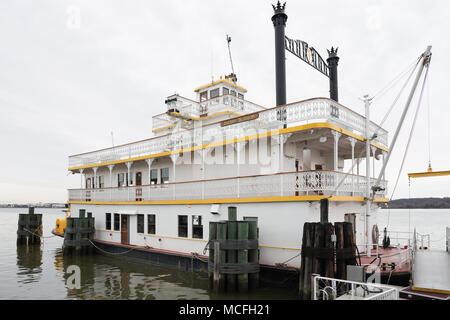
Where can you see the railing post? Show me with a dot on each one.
(313, 286)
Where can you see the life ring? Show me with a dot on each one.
(375, 235)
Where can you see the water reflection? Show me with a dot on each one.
(29, 262)
(112, 278)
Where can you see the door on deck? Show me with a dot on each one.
(124, 229)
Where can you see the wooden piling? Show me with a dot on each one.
(222, 236)
(231, 254)
(29, 228)
(212, 238)
(253, 255)
(242, 231)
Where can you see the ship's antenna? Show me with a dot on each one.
(233, 75)
(112, 139)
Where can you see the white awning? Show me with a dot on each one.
(128, 212)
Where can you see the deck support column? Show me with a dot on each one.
(94, 183)
(174, 158)
(374, 149)
(239, 146)
(336, 135)
(110, 167)
(353, 143)
(82, 178)
(149, 164)
(129, 164)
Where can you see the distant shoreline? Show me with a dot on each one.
(419, 203)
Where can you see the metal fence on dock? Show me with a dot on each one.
(336, 289)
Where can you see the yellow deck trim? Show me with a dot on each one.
(241, 139)
(430, 290)
(233, 200)
(220, 81)
(429, 174)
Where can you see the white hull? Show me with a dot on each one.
(280, 225)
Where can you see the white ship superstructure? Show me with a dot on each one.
(220, 150)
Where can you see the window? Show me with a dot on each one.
(164, 175)
(225, 91)
(183, 226)
(204, 96)
(233, 93)
(154, 176)
(140, 223)
(116, 222)
(101, 182)
(108, 221)
(151, 224)
(241, 96)
(214, 93)
(197, 227)
(121, 179)
(88, 183)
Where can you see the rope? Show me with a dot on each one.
(113, 253)
(36, 234)
(390, 85)
(196, 256)
(412, 129)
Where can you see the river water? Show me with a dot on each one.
(40, 272)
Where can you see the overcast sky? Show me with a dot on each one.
(72, 72)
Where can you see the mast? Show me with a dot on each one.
(368, 139)
(425, 60)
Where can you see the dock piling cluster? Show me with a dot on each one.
(29, 228)
(233, 254)
(79, 234)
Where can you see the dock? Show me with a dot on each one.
(430, 274)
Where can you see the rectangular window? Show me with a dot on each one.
(203, 96)
(121, 179)
(116, 222)
(140, 223)
(233, 93)
(214, 93)
(151, 224)
(108, 221)
(164, 175)
(240, 96)
(101, 182)
(225, 91)
(183, 226)
(197, 227)
(154, 176)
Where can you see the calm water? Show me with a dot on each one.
(39, 272)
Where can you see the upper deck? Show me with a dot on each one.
(242, 117)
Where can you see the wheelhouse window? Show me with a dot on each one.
(240, 96)
(233, 93)
(183, 226)
(197, 227)
(151, 224)
(116, 222)
(164, 175)
(108, 221)
(214, 93)
(203, 96)
(225, 91)
(140, 223)
(154, 176)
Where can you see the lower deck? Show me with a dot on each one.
(184, 228)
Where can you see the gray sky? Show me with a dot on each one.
(66, 83)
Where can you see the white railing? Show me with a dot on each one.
(318, 109)
(283, 184)
(336, 289)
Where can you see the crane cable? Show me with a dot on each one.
(412, 128)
